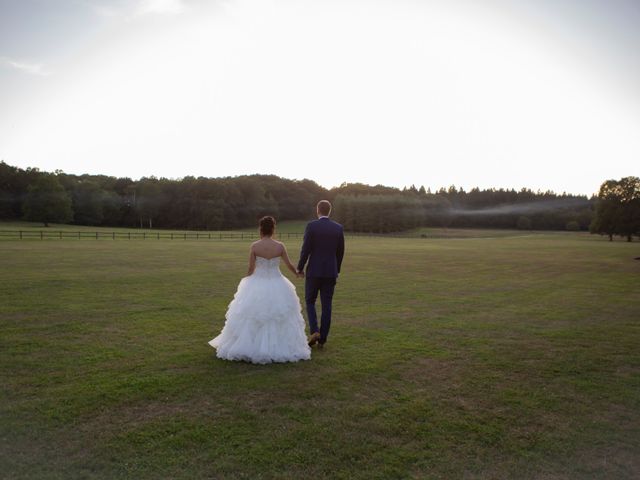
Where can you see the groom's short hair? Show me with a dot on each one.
(324, 207)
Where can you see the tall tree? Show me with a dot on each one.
(629, 220)
(88, 203)
(47, 201)
(148, 200)
(618, 208)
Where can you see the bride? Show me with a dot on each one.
(264, 321)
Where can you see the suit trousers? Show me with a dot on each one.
(325, 286)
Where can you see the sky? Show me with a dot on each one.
(540, 94)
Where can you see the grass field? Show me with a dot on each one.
(512, 357)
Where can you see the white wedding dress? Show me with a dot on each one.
(264, 320)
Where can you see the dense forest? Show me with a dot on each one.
(231, 202)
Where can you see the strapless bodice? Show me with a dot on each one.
(267, 267)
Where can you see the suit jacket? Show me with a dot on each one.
(323, 246)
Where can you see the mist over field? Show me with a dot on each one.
(523, 208)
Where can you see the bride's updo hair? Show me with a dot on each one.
(267, 226)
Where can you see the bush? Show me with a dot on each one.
(573, 226)
(524, 223)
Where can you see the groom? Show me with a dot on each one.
(323, 246)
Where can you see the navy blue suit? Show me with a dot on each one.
(323, 247)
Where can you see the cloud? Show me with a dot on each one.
(105, 11)
(163, 7)
(132, 10)
(30, 68)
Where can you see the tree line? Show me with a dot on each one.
(385, 211)
(188, 203)
(204, 203)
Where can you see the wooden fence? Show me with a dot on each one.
(99, 235)
(68, 234)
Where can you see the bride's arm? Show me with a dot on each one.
(287, 262)
(252, 261)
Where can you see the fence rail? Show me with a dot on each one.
(98, 235)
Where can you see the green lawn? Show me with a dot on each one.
(513, 357)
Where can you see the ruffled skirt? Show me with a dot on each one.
(264, 323)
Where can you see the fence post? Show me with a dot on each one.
(78, 235)
(144, 235)
(41, 235)
(60, 232)
(129, 235)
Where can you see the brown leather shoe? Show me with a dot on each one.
(313, 339)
